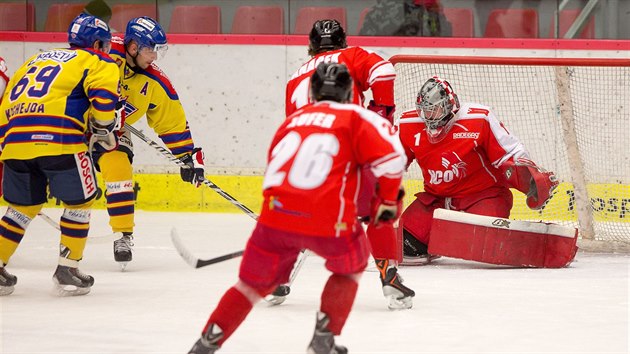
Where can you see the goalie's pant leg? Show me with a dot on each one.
(417, 217)
(116, 169)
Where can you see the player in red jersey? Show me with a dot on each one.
(469, 160)
(4, 80)
(310, 188)
(369, 71)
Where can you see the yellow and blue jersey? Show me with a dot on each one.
(149, 92)
(49, 100)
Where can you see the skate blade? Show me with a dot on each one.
(69, 290)
(275, 300)
(399, 304)
(6, 290)
(418, 261)
(123, 265)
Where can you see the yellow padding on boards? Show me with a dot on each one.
(167, 192)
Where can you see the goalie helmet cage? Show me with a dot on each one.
(572, 115)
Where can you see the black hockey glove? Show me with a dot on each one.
(193, 171)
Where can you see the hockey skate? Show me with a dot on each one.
(122, 249)
(7, 282)
(415, 253)
(399, 296)
(208, 343)
(323, 341)
(279, 295)
(70, 281)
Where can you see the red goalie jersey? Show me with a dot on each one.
(467, 159)
(368, 70)
(311, 182)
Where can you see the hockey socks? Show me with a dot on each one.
(384, 242)
(337, 299)
(232, 309)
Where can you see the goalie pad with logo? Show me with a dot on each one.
(501, 241)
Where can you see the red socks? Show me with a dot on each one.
(337, 299)
(230, 312)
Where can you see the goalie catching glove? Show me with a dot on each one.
(537, 183)
(193, 172)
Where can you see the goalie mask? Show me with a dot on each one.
(436, 105)
(332, 82)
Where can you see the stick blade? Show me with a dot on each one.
(182, 250)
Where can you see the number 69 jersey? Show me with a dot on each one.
(50, 98)
(312, 178)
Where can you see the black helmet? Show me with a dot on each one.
(331, 81)
(326, 35)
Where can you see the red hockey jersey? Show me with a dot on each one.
(312, 179)
(368, 70)
(466, 160)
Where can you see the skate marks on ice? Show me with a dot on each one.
(160, 304)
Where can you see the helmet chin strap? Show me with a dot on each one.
(135, 62)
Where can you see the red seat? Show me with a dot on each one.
(512, 23)
(567, 17)
(306, 16)
(196, 19)
(122, 13)
(60, 15)
(258, 20)
(15, 16)
(462, 22)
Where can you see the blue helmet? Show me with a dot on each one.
(146, 32)
(84, 30)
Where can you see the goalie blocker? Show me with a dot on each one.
(501, 241)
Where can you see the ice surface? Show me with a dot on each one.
(160, 304)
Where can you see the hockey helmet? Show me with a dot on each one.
(147, 33)
(331, 81)
(84, 30)
(326, 35)
(436, 104)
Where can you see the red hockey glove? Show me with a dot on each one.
(386, 112)
(193, 172)
(386, 211)
(537, 183)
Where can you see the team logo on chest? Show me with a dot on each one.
(453, 169)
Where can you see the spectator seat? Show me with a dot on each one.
(196, 19)
(306, 16)
(512, 23)
(258, 20)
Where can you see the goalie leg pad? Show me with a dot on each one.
(417, 219)
(502, 241)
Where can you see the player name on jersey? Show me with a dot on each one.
(318, 119)
(23, 108)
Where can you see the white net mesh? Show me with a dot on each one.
(528, 100)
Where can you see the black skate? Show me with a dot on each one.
(323, 341)
(208, 343)
(400, 297)
(415, 253)
(70, 281)
(122, 249)
(7, 282)
(279, 295)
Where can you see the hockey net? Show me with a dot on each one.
(571, 114)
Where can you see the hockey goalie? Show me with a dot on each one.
(469, 162)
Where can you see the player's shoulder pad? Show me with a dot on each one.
(101, 55)
(154, 72)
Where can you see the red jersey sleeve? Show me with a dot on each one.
(371, 71)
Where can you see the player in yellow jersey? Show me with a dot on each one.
(53, 99)
(4, 80)
(146, 91)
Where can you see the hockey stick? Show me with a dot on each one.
(91, 239)
(191, 259)
(167, 154)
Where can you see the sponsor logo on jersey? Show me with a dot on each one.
(466, 135)
(501, 223)
(58, 55)
(87, 173)
(48, 137)
(129, 108)
(454, 169)
(118, 187)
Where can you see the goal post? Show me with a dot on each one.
(572, 114)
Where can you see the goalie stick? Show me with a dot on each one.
(167, 154)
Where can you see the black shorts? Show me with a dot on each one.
(71, 178)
